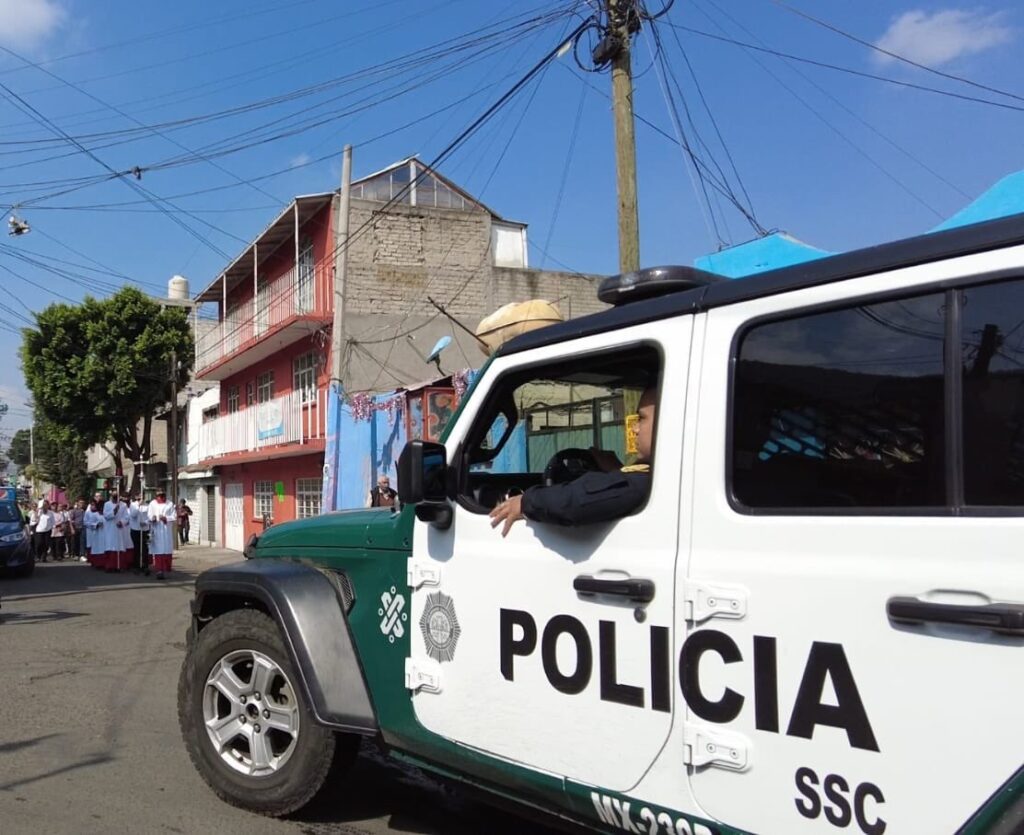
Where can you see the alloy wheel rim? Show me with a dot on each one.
(251, 713)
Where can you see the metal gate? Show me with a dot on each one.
(234, 519)
(211, 514)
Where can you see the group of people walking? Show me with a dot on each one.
(112, 535)
(57, 531)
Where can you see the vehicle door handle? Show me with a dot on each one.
(637, 590)
(1004, 618)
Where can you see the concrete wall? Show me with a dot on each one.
(189, 454)
(412, 253)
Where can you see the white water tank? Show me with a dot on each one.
(177, 288)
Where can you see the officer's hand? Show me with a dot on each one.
(509, 511)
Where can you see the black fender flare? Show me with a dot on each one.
(309, 610)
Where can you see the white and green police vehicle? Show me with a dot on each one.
(814, 624)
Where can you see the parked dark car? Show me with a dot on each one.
(15, 552)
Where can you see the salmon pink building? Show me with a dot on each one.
(269, 346)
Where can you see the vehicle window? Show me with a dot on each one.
(9, 513)
(842, 409)
(993, 393)
(531, 416)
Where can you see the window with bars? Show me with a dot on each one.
(250, 394)
(307, 496)
(265, 387)
(304, 376)
(234, 399)
(263, 499)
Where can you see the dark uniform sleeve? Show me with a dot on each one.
(593, 497)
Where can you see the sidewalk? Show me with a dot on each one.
(196, 558)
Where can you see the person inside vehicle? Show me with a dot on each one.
(598, 496)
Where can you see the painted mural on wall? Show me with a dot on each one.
(370, 430)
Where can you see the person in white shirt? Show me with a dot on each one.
(57, 535)
(162, 515)
(45, 521)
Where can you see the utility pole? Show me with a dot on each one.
(621, 16)
(172, 444)
(332, 463)
(340, 266)
(32, 454)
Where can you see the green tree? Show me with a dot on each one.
(99, 370)
(21, 448)
(60, 458)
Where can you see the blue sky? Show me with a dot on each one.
(836, 160)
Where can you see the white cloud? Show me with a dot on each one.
(941, 37)
(24, 23)
(300, 160)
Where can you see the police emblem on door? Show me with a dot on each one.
(440, 627)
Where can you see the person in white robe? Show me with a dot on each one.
(94, 532)
(162, 515)
(125, 533)
(112, 534)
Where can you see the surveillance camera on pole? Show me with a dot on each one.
(16, 226)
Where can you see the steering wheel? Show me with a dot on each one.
(569, 464)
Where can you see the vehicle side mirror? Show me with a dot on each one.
(423, 481)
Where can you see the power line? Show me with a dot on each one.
(565, 171)
(896, 56)
(846, 139)
(848, 70)
(153, 35)
(455, 46)
(25, 106)
(849, 111)
(457, 142)
(692, 170)
(711, 117)
(487, 36)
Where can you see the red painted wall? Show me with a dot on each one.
(319, 228)
(281, 364)
(286, 470)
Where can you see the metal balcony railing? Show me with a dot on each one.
(300, 292)
(296, 417)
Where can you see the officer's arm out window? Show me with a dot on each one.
(535, 414)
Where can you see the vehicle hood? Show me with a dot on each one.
(365, 529)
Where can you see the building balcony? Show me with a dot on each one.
(283, 311)
(291, 424)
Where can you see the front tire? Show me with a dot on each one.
(245, 721)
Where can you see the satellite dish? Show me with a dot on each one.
(439, 346)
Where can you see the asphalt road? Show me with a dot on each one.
(89, 739)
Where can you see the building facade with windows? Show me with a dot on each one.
(268, 345)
